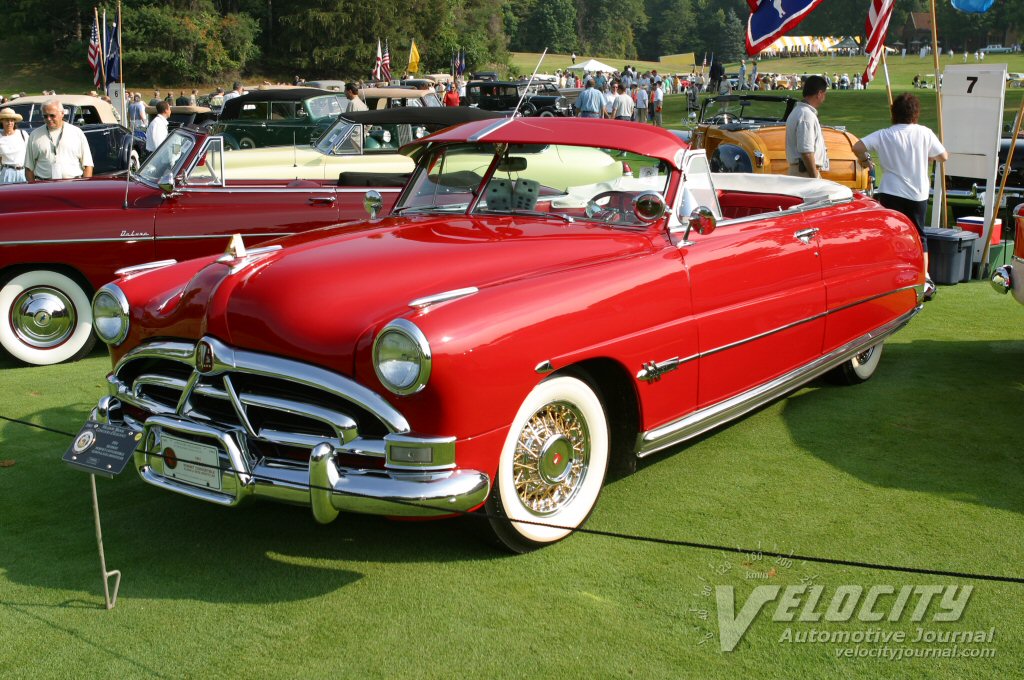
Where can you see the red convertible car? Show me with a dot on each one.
(60, 241)
(536, 308)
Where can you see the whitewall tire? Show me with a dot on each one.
(552, 465)
(46, 318)
(859, 368)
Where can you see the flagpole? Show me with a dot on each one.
(120, 58)
(103, 47)
(938, 106)
(885, 70)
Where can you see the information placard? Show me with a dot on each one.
(102, 449)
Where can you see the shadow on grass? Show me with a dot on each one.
(172, 547)
(940, 417)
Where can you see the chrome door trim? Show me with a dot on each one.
(712, 416)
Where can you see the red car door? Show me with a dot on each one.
(758, 298)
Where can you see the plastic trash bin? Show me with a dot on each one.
(967, 239)
(947, 251)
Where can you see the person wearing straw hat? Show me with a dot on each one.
(13, 143)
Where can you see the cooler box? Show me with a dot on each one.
(977, 225)
(949, 254)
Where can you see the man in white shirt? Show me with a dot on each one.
(622, 105)
(237, 90)
(156, 133)
(642, 99)
(58, 150)
(805, 143)
(657, 99)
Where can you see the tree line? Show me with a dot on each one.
(185, 41)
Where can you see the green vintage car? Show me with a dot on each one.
(278, 117)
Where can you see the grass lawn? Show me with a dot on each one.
(917, 467)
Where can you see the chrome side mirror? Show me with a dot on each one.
(702, 221)
(649, 207)
(373, 203)
(167, 185)
(1002, 279)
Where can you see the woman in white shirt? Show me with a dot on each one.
(13, 143)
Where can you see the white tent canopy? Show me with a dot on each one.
(592, 66)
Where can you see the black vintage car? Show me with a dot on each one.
(189, 116)
(278, 117)
(542, 98)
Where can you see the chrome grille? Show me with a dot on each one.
(269, 399)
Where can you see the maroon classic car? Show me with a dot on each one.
(534, 309)
(60, 241)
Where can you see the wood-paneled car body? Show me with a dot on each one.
(60, 241)
(747, 133)
(507, 333)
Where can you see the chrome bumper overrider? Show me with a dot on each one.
(1008, 279)
(322, 483)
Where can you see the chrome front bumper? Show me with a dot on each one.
(1010, 279)
(323, 484)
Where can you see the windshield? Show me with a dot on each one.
(322, 107)
(168, 158)
(560, 181)
(339, 139)
(734, 109)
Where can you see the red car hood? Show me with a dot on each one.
(71, 194)
(328, 289)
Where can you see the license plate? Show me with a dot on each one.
(184, 454)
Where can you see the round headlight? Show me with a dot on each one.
(401, 357)
(110, 315)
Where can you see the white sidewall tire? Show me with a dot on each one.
(81, 338)
(246, 143)
(572, 515)
(863, 371)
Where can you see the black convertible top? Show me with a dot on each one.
(232, 107)
(420, 115)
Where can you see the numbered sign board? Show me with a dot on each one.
(972, 123)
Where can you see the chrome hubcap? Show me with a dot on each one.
(864, 356)
(43, 317)
(552, 454)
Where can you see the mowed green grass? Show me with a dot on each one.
(919, 467)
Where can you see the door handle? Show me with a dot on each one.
(805, 236)
(322, 200)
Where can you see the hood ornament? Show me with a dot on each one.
(236, 247)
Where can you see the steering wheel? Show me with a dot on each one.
(722, 119)
(618, 209)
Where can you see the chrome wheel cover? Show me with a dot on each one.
(551, 458)
(864, 356)
(43, 317)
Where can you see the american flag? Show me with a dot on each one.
(94, 56)
(876, 27)
(385, 64)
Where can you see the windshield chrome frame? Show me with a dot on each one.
(137, 175)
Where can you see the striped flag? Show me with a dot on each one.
(876, 27)
(95, 55)
(385, 64)
(771, 19)
(375, 74)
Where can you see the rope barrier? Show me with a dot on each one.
(481, 514)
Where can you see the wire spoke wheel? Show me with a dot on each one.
(552, 465)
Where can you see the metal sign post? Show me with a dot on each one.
(104, 449)
(109, 598)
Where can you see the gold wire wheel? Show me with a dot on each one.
(551, 458)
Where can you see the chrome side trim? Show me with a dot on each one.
(712, 416)
(652, 371)
(233, 189)
(258, 235)
(52, 241)
(426, 301)
(159, 264)
(796, 209)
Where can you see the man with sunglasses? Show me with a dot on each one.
(58, 150)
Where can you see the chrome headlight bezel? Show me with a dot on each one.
(114, 306)
(417, 342)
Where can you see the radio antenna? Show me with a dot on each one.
(528, 83)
